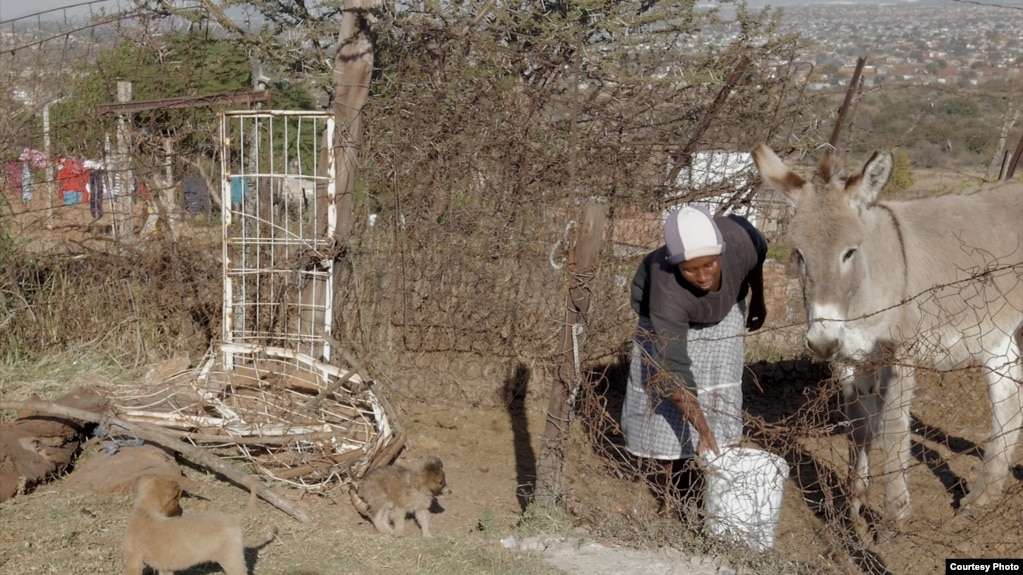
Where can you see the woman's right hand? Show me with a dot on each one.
(686, 403)
(707, 443)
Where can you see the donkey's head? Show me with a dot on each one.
(828, 232)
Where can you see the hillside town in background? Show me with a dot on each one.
(919, 43)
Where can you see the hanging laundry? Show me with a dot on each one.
(239, 187)
(117, 189)
(141, 191)
(74, 181)
(35, 158)
(26, 183)
(14, 177)
(96, 193)
(197, 195)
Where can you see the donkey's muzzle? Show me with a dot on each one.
(824, 348)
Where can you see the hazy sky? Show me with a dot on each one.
(16, 8)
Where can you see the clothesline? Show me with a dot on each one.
(79, 180)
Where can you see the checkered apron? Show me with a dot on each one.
(652, 425)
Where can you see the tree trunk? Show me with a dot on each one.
(353, 68)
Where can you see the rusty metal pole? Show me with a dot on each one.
(582, 264)
(853, 86)
(697, 136)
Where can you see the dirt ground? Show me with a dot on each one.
(55, 529)
(489, 456)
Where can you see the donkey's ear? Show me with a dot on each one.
(864, 189)
(777, 175)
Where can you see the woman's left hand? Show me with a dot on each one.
(756, 314)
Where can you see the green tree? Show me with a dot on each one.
(902, 173)
(940, 133)
(193, 63)
(959, 107)
(978, 141)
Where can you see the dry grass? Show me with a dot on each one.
(53, 531)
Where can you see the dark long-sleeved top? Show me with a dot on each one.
(660, 293)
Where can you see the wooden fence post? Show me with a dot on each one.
(582, 264)
(125, 210)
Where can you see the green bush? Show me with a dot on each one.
(902, 173)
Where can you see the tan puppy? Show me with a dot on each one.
(167, 543)
(167, 498)
(386, 496)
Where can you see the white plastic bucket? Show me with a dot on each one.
(744, 494)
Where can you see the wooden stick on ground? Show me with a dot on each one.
(158, 436)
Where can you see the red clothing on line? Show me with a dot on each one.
(73, 177)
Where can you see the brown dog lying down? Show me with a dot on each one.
(389, 494)
(157, 538)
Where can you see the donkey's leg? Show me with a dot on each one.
(897, 383)
(1004, 375)
(861, 404)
